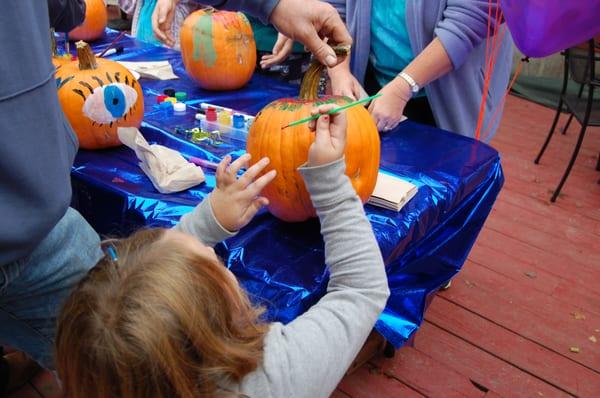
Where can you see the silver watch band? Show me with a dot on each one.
(411, 82)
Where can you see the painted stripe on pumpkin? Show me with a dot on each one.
(87, 85)
(204, 49)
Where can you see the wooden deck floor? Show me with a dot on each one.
(528, 295)
(529, 292)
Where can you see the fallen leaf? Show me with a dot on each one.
(578, 315)
(541, 394)
(593, 339)
(574, 349)
(597, 330)
(531, 274)
(469, 283)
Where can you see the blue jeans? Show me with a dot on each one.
(33, 289)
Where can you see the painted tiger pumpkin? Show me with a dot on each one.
(98, 96)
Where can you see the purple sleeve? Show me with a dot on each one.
(463, 27)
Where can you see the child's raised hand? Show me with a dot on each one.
(235, 201)
(330, 138)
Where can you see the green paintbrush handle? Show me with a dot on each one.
(335, 110)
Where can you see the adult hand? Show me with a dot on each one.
(330, 137)
(387, 110)
(281, 50)
(308, 21)
(162, 20)
(344, 83)
(235, 201)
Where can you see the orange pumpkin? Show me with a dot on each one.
(98, 96)
(218, 49)
(288, 149)
(96, 18)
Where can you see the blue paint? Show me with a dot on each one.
(114, 100)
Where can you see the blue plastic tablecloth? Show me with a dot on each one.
(280, 264)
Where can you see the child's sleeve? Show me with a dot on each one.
(309, 356)
(202, 224)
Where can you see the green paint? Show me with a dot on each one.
(203, 44)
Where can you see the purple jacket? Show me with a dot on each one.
(461, 26)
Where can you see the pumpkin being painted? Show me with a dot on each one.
(98, 96)
(288, 149)
(96, 18)
(218, 49)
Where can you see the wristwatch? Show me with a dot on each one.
(414, 87)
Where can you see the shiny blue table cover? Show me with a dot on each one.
(282, 265)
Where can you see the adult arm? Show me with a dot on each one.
(464, 25)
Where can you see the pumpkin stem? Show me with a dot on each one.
(87, 59)
(309, 89)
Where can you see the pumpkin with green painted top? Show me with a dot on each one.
(288, 149)
(218, 49)
(98, 96)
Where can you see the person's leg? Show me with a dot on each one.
(32, 290)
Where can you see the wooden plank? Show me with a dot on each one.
(369, 381)
(484, 369)
(582, 204)
(426, 375)
(526, 254)
(582, 181)
(374, 345)
(558, 152)
(533, 315)
(560, 215)
(544, 241)
(523, 353)
(552, 224)
(27, 391)
(536, 277)
(339, 394)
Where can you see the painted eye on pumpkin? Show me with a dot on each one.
(107, 104)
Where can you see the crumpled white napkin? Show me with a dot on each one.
(166, 168)
(159, 70)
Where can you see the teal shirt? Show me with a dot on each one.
(390, 45)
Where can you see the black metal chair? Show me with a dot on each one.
(582, 65)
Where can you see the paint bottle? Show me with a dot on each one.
(239, 121)
(224, 118)
(211, 114)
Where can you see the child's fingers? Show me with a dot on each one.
(253, 172)
(239, 163)
(221, 169)
(255, 188)
(254, 208)
(323, 136)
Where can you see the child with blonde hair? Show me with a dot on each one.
(160, 316)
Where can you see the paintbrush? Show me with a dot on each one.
(112, 44)
(335, 110)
